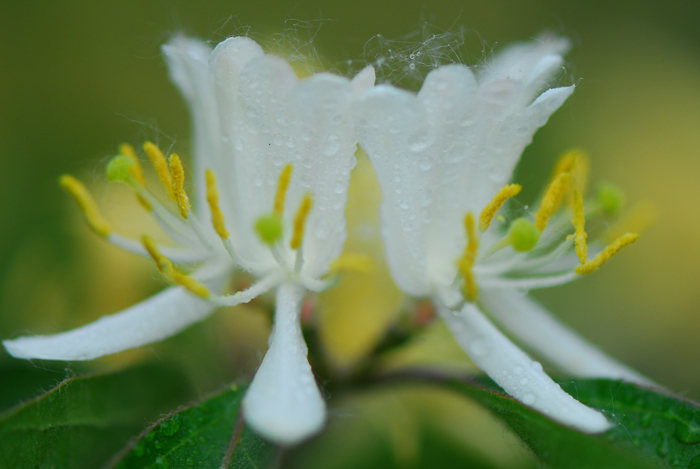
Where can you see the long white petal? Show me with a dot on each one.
(283, 403)
(152, 320)
(516, 373)
(187, 61)
(389, 121)
(518, 61)
(533, 326)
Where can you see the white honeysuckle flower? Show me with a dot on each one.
(272, 156)
(448, 151)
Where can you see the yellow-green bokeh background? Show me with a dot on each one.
(79, 77)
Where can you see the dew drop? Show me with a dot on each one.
(418, 142)
(536, 365)
(688, 432)
(518, 370)
(290, 142)
(331, 146)
(529, 398)
(497, 173)
(456, 153)
(466, 122)
(277, 139)
(479, 348)
(238, 144)
(523, 381)
(425, 164)
(170, 426)
(522, 130)
(425, 197)
(322, 230)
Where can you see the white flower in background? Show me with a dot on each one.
(271, 162)
(445, 154)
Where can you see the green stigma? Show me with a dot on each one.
(611, 199)
(523, 235)
(119, 168)
(269, 228)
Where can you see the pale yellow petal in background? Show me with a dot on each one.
(354, 315)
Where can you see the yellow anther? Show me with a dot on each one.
(161, 167)
(552, 199)
(496, 203)
(576, 163)
(579, 222)
(136, 170)
(352, 262)
(87, 205)
(164, 265)
(281, 192)
(466, 262)
(191, 285)
(166, 268)
(178, 184)
(299, 220)
(607, 253)
(217, 218)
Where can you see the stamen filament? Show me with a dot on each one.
(496, 203)
(607, 253)
(281, 192)
(217, 218)
(166, 268)
(579, 222)
(552, 199)
(87, 205)
(466, 262)
(178, 184)
(161, 167)
(299, 220)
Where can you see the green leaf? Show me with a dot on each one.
(81, 422)
(199, 437)
(652, 428)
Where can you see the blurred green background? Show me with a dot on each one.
(79, 77)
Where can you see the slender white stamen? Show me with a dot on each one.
(258, 288)
(537, 262)
(532, 325)
(527, 283)
(178, 256)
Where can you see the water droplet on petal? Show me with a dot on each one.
(238, 144)
(529, 398)
(536, 365)
(479, 348)
(331, 146)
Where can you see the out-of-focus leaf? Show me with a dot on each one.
(200, 436)
(84, 420)
(22, 380)
(652, 428)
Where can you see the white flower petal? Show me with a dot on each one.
(283, 403)
(187, 61)
(393, 130)
(324, 154)
(517, 61)
(152, 320)
(534, 327)
(364, 80)
(516, 373)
